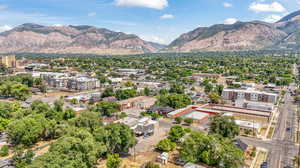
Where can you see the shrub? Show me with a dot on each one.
(4, 151)
(189, 121)
(178, 120)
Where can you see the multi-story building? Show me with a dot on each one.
(83, 83)
(130, 71)
(249, 94)
(8, 60)
(56, 80)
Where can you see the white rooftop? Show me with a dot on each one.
(196, 115)
(252, 90)
(248, 124)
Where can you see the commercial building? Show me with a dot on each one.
(249, 94)
(141, 127)
(130, 71)
(8, 60)
(160, 110)
(141, 102)
(249, 126)
(198, 76)
(150, 85)
(255, 105)
(213, 109)
(190, 112)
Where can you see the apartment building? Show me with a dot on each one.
(63, 80)
(83, 83)
(56, 80)
(249, 94)
(130, 71)
(8, 60)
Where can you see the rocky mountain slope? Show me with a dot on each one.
(290, 24)
(72, 39)
(256, 35)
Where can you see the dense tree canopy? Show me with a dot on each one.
(174, 100)
(125, 94)
(224, 126)
(107, 108)
(213, 150)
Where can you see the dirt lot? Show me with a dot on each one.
(148, 144)
(139, 160)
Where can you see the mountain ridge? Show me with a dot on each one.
(253, 35)
(83, 39)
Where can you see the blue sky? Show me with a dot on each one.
(154, 20)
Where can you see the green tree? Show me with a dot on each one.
(224, 126)
(23, 159)
(214, 98)
(151, 165)
(147, 91)
(178, 120)
(68, 114)
(74, 101)
(107, 108)
(219, 89)
(163, 91)
(4, 151)
(108, 92)
(176, 132)
(27, 131)
(189, 121)
(89, 120)
(174, 100)
(3, 124)
(77, 148)
(208, 88)
(166, 145)
(113, 161)
(125, 94)
(176, 89)
(212, 150)
(119, 138)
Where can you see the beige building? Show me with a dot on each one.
(8, 60)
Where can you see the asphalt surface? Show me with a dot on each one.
(282, 147)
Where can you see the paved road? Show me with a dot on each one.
(282, 148)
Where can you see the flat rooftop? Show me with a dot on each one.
(196, 115)
(250, 90)
(248, 124)
(232, 109)
(140, 98)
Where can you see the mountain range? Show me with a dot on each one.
(255, 35)
(35, 38)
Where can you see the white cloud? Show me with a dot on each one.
(121, 23)
(3, 7)
(154, 39)
(264, 7)
(272, 18)
(57, 25)
(230, 21)
(154, 4)
(5, 28)
(167, 16)
(227, 4)
(91, 14)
